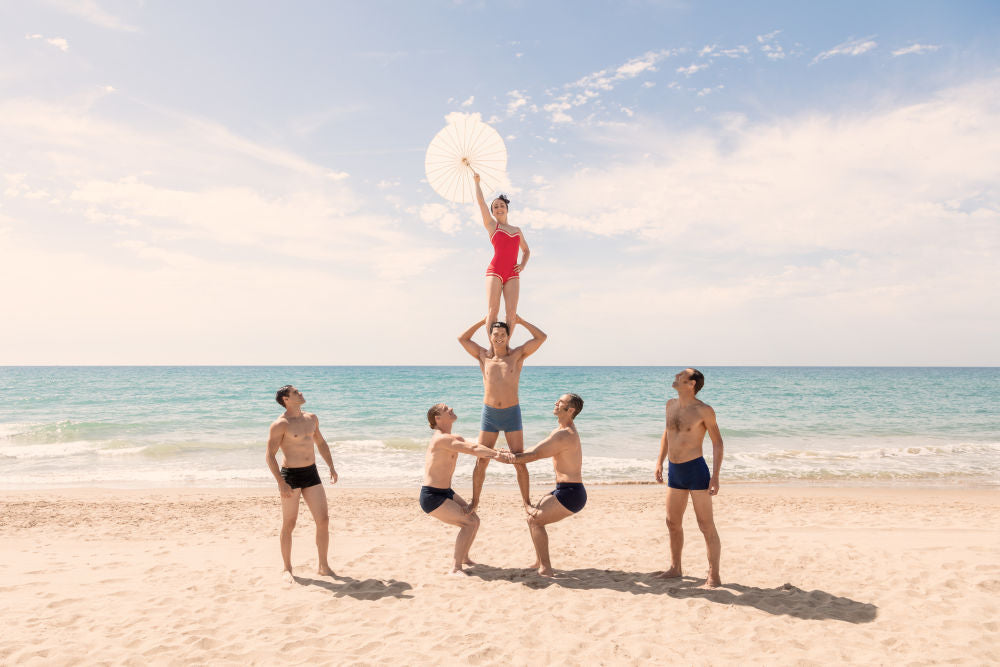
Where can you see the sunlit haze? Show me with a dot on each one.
(700, 183)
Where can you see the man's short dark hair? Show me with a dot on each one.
(283, 394)
(500, 324)
(433, 413)
(576, 403)
(699, 379)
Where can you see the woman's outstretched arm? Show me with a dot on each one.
(488, 222)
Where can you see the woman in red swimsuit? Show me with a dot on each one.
(503, 273)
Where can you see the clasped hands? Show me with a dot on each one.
(505, 456)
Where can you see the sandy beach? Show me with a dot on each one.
(811, 576)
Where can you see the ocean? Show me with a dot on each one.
(207, 426)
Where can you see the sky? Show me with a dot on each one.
(700, 183)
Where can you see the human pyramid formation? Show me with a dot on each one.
(687, 421)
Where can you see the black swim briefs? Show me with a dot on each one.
(301, 478)
(432, 497)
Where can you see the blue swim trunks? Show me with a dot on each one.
(692, 475)
(495, 420)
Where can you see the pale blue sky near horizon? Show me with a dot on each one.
(701, 183)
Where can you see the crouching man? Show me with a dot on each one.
(437, 498)
(569, 496)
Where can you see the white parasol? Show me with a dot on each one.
(466, 144)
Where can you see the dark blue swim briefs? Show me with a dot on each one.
(692, 475)
(571, 495)
(495, 420)
(432, 497)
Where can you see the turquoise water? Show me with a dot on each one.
(206, 426)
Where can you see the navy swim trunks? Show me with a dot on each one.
(495, 420)
(432, 497)
(571, 495)
(301, 478)
(692, 475)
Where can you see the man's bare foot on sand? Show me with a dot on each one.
(711, 581)
(469, 561)
(325, 571)
(672, 573)
(287, 576)
(458, 571)
(546, 572)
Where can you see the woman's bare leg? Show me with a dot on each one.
(494, 287)
(511, 292)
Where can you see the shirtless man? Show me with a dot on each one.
(295, 433)
(501, 368)
(569, 496)
(688, 419)
(437, 498)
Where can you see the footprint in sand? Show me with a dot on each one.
(989, 585)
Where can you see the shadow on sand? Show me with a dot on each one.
(784, 600)
(368, 589)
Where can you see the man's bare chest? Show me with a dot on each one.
(500, 369)
(683, 419)
(299, 430)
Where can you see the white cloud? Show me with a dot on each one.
(692, 68)
(469, 102)
(442, 217)
(854, 47)
(518, 103)
(558, 112)
(606, 79)
(713, 51)
(91, 12)
(769, 45)
(589, 88)
(916, 49)
(58, 42)
(820, 238)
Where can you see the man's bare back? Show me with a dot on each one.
(440, 459)
(567, 456)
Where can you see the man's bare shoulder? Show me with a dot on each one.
(671, 403)
(705, 408)
(280, 422)
(442, 438)
(563, 436)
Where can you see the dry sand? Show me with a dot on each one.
(812, 576)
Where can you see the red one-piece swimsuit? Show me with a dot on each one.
(505, 247)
